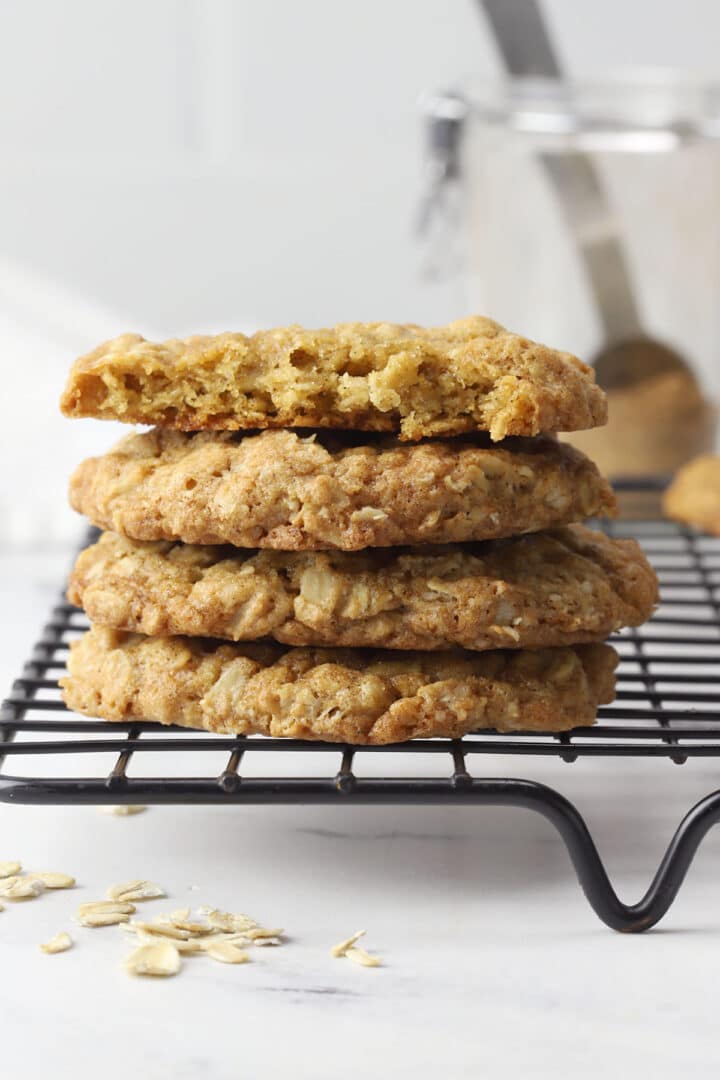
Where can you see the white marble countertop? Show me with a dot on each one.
(494, 962)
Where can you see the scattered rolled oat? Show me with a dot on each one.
(218, 920)
(242, 922)
(161, 959)
(227, 953)
(104, 913)
(257, 933)
(60, 943)
(183, 945)
(359, 956)
(132, 891)
(107, 906)
(229, 923)
(342, 948)
(51, 879)
(190, 926)
(21, 888)
(102, 919)
(162, 929)
(190, 947)
(122, 810)
(233, 939)
(222, 935)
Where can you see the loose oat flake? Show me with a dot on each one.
(221, 935)
(104, 913)
(257, 933)
(122, 810)
(133, 891)
(239, 940)
(162, 929)
(342, 948)
(365, 959)
(103, 919)
(195, 928)
(51, 879)
(242, 923)
(161, 959)
(183, 945)
(226, 952)
(104, 906)
(60, 943)
(220, 920)
(21, 888)
(9, 869)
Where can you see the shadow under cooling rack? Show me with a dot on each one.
(667, 706)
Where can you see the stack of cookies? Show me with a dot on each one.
(364, 534)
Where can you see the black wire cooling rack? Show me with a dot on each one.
(668, 706)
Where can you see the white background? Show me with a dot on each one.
(192, 163)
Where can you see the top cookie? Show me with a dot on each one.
(472, 375)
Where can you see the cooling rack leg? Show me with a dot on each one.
(630, 918)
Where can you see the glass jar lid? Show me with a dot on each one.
(641, 111)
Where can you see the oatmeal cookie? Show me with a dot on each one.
(281, 490)
(694, 495)
(472, 375)
(548, 589)
(336, 695)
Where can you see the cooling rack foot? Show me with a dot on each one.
(628, 918)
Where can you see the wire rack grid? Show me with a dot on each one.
(667, 707)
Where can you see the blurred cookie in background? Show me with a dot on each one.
(694, 495)
(656, 425)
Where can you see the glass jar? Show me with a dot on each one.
(584, 216)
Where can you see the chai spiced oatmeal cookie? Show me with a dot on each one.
(472, 375)
(338, 695)
(694, 495)
(323, 491)
(547, 589)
